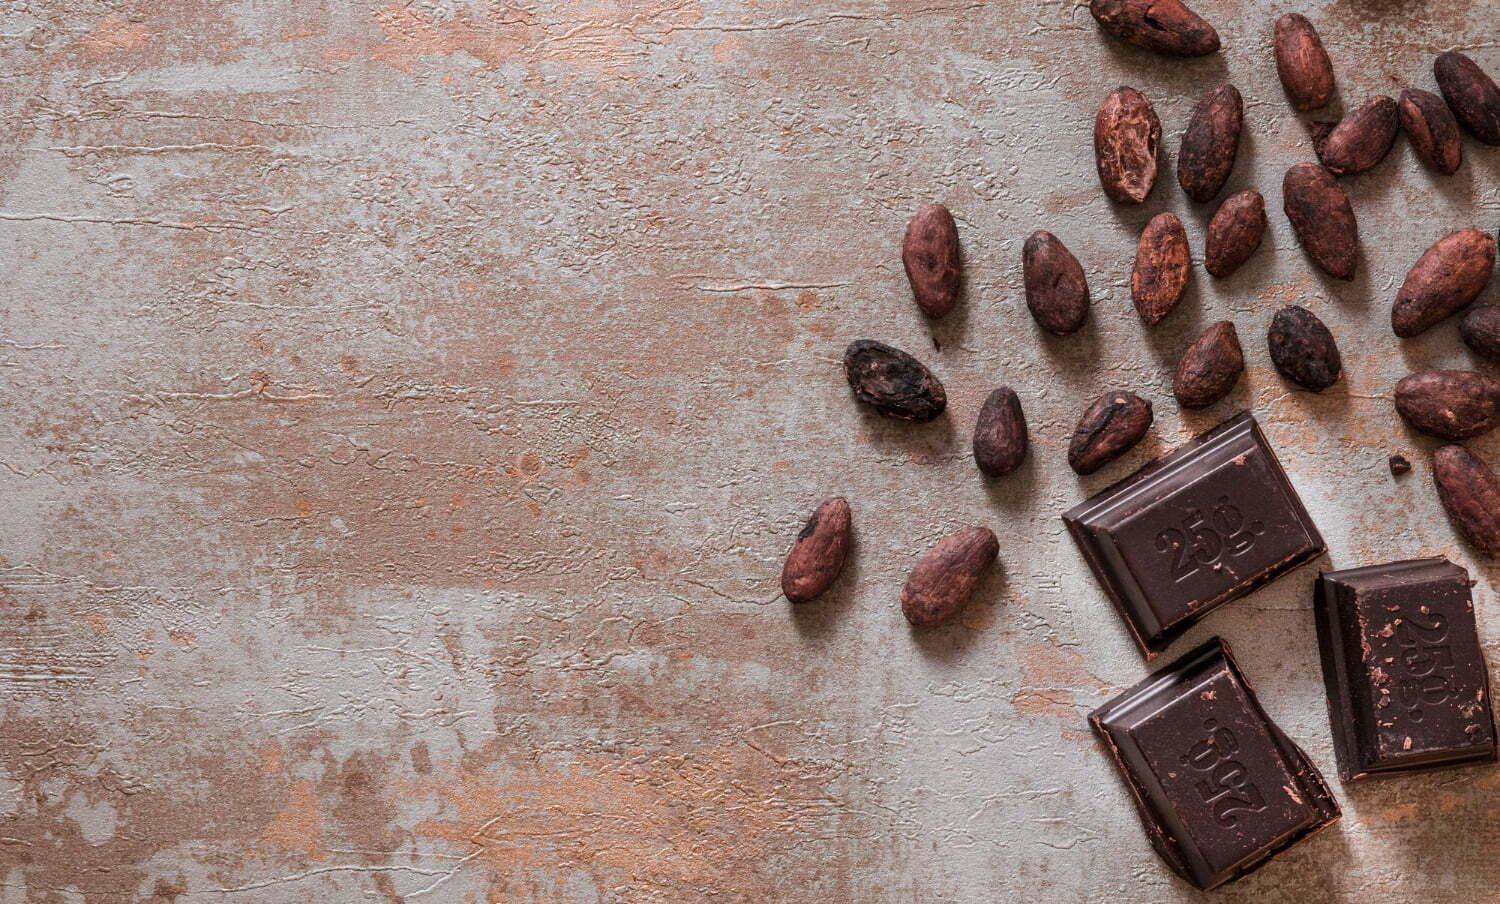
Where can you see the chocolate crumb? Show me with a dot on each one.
(1399, 465)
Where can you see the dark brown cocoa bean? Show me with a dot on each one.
(1449, 404)
(930, 253)
(1210, 143)
(1161, 26)
(1108, 429)
(1000, 433)
(892, 382)
(1432, 130)
(1057, 292)
(943, 580)
(817, 556)
(1163, 265)
(1471, 94)
(1362, 138)
(1444, 280)
(1481, 330)
(1470, 493)
(1302, 63)
(1209, 368)
(1234, 232)
(1322, 217)
(1127, 138)
(1303, 349)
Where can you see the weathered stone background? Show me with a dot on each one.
(408, 408)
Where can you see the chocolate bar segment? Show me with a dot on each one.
(1205, 524)
(1407, 684)
(1219, 788)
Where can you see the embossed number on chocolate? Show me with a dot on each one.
(1108, 429)
(1432, 130)
(1445, 280)
(1303, 349)
(1057, 292)
(817, 557)
(892, 382)
(1000, 433)
(1322, 217)
(1163, 26)
(1210, 367)
(1234, 232)
(1163, 265)
(1481, 330)
(1450, 404)
(1470, 492)
(1471, 93)
(1127, 138)
(943, 580)
(1302, 63)
(930, 253)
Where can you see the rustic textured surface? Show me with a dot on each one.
(408, 408)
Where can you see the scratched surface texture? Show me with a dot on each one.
(408, 408)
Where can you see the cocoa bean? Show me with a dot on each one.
(1210, 143)
(1057, 292)
(1432, 130)
(1471, 94)
(1449, 404)
(1444, 280)
(817, 556)
(892, 382)
(1163, 264)
(1108, 429)
(1127, 138)
(1000, 433)
(1303, 349)
(1362, 138)
(1234, 232)
(1161, 26)
(1470, 493)
(1322, 217)
(943, 580)
(930, 253)
(1209, 368)
(1302, 63)
(1481, 330)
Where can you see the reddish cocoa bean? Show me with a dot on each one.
(817, 556)
(892, 382)
(1432, 130)
(1234, 232)
(1470, 493)
(1127, 139)
(1449, 404)
(1444, 280)
(1481, 330)
(1302, 63)
(1108, 429)
(1362, 138)
(1210, 143)
(1163, 265)
(1057, 292)
(1161, 26)
(944, 579)
(1322, 217)
(930, 253)
(1209, 368)
(1303, 349)
(1000, 433)
(1471, 94)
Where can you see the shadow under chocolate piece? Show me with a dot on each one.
(1205, 524)
(1219, 788)
(1407, 684)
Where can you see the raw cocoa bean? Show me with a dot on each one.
(892, 382)
(1481, 330)
(1057, 292)
(1209, 368)
(1163, 264)
(1303, 349)
(1449, 404)
(1471, 93)
(1127, 138)
(930, 253)
(1302, 63)
(1210, 143)
(817, 556)
(1108, 429)
(1161, 26)
(1234, 232)
(1432, 130)
(1470, 493)
(1444, 280)
(1362, 138)
(1000, 433)
(943, 580)
(1322, 217)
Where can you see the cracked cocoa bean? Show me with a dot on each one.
(1127, 138)
(1444, 280)
(1209, 368)
(1481, 331)
(1471, 94)
(930, 253)
(946, 576)
(1057, 292)
(1163, 265)
(1302, 63)
(1000, 433)
(1234, 233)
(1432, 130)
(1162, 26)
(1303, 349)
(892, 382)
(1210, 143)
(1322, 217)
(1108, 429)
(817, 556)
(1470, 493)
(1449, 404)
(1362, 138)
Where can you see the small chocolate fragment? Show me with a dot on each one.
(1219, 787)
(1399, 465)
(1449, 404)
(1303, 349)
(817, 557)
(1432, 130)
(892, 382)
(1057, 292)
(1322, 217)
(1471, 93)
(1127, 138)
(1470, 493)
(1407, 684)
(1161, 26)
(930, 254)
(1000, 433)
(1362, 138)
(1305, 70)
(1108, 429)
(1445, 280)
(1163, 265)
(1210, 143)
(943, 579)
(1210, 367)
(1234, 232)
(1205, 524)
(1481, 330)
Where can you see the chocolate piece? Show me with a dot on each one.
(1407, 685)
(1220, 789)
(1205, 524)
